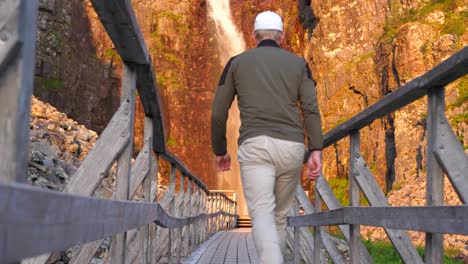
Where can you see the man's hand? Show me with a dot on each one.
(223, 163)
(314, 165)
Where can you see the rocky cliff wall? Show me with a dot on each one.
(358, 51)
(362, 50)
(75, 72)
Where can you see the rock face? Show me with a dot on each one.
(359, 52)
(72, 72)
(58, 146)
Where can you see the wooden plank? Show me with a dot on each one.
(16, 84)
(187, 212)
(86, 219)
(332, 203)
(146, 191)
(87, 251)
(220, 253)
(444, 73)
(154, 167)
(331, 248)
(10, 38)
(242, 251)
(317, 230)
(211, 250)
(122, 192)
(354, 197)
(296, 238)
(150, 99)
(162, 233)
(52, 214)
(179, 212)
(171, 158)
(199, 210)
(376, 197)
(435, 175)
(106, 150)
(119, 20)
(172, 184)
(434, 219)
(191, 237)
(141, 167)
(452, 158)
(251, 248)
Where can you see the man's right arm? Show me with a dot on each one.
(223, 99)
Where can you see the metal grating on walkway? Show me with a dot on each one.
(228, 247)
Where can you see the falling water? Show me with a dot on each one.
(230, 43)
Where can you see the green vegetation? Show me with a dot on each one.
(340, 121)
(462, 88)
(359, 59)
(455, 23)
(384, 252)
(171, 142)
(340, 188)
(111, 53)
(49, 84)
(461, 118)
(168, 78)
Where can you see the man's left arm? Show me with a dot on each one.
(313, 124)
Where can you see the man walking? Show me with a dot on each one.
(269, 83)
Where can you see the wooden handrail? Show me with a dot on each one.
(23, 223)
(434, 219)
(120, 22)
(444, 73)
(444, 154)
(171, 158)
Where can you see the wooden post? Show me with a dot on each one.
(197, 226)
(211, 221)
(180, 211)
(191, 210)
(118, 248)
(296, 245)
(435, 175)
(144, 230)
(355, 235)
(188, 211)
(172, 212)
(17, 62)
(205, 210)
(153, 227)
(317, 229)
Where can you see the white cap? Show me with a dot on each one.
(268, 21)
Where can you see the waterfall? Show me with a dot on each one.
(230, 43)
(230, 40)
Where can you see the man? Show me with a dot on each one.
(269, 82)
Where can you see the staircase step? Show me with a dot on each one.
(244, 221)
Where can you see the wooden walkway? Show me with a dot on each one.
(229, 247)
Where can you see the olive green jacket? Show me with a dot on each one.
(270, 84)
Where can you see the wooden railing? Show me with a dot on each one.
(35, 221)
(445, 155)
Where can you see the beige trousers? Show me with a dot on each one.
(270, 171)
